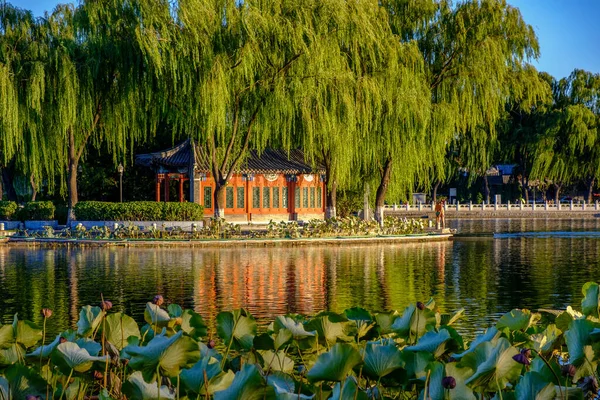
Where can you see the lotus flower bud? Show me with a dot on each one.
(98, 375)
(46, 312)
(448, 382)
(211, 344)
(106, 305)
(178, 321)
(158, 300)
(62, 339)
(521, 359)
(420, 306)
(568, 370)
(588, 384)
(526, 352)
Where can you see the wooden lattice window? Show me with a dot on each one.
(312, 197)
(256, 197)
(229, 197)
(304, 197)
(207, 197)
(266, 197)
(284, 197)
(240, 197)
(276, 197)
(319, 197)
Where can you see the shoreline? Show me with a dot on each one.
(208, 243)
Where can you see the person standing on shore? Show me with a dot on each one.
(440, 218)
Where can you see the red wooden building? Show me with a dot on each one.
(274, 184)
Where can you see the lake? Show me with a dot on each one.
(529, 264)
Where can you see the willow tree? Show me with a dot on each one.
(101, 78)
(470, 51)
(567, 149)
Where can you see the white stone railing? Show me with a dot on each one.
(564, 206)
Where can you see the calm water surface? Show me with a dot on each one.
(486, 275)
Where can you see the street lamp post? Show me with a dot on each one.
(120, 168)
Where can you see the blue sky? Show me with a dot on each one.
(568, 31)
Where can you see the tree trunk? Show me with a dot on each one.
(6, 177)
(590, 193)
(331, 200)
(435, 189)
(557, 188)
(33, 187)
(219, 199)
(487, 189)
(72, 177)
(382, 190)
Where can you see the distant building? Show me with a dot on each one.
(273, 184)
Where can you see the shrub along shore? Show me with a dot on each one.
(352, 355)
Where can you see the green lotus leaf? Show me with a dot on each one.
(491, 335)
(358, 314)
(281, 382)
(276, 361)
(137, 389)
(545, 341)
(69, 356)
(433, 342)
(282, 338)
(348, 391)
(4, 388)
(332, 328)
(92, 347)
(264, 341)
(517, 320)
(449, 319)
(248, 384)
(381, 360)
(591, 299)
(118, 327)
(494, 366)
(45, 350)
(26, 333)
(297, 329)
(194, 378)
(236, 327)
(534, 386)
(436, 390)
(7, 336)
(385, 320)
(167, 354)
(24, 381)
(335, 364)
(175, 310)
(415, 363)
(414, 322)
(193, 324)
(89, 320)
(577, 337)
(11, 355)
(538, 365)
(156, 316)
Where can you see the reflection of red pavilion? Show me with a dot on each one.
(274, 184)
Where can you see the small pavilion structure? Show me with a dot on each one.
(272, 185)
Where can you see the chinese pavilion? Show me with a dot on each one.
(274, 184)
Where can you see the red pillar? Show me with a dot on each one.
(180, 189)
(167, 184)
(158, 189)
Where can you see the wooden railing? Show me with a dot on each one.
(564, 206)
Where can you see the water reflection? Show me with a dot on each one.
(487, 276)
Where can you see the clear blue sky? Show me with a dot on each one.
(568, 31)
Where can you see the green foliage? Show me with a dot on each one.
(7, 210)
(403, 355)
(138, 211)
(37, 211)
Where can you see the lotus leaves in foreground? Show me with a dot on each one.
(517, 320)
(590, 304)
(380, 360)
(437, 391)
(137, 389)
(206, 377)
(236, 328)
(69, 356)
(348, 390)
(118, 327)
(248, 384)
(533, 385)
(335, 364)
(89, 320)
(493, 365)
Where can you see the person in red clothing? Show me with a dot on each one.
(440, 218)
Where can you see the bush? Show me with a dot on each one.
(7, 210)
(37, 211)
(138, 211)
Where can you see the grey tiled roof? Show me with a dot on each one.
(267, 162)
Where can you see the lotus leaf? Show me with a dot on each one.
(195, 379)
(332, 328)
(69, 356)
(11, 355)
(283, 337)
(45, 350)
(248, 384)
(276, 361)
(517, 320)
(590, 303)
(449, 319)
(92, 347)
(414, 322)
(193, 324)
(7, 336)
(385, 321)
(137, 389)
(167, 355)
(534, 386)
(348, 390)
(577, 338)
(236, 327)
(156, 316)
(175, 310)
(436, 389)
(415, 363)
(491, 335)
(358, 314)
(26, 333)
(283, 384)
(4, 388)
(297, 329)
(545, 341)
(381, 360)
(118, 327)
(24, 381)
(493, 365)
(264, 341)
(433, 342)
(89, 320)
(335, 364)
